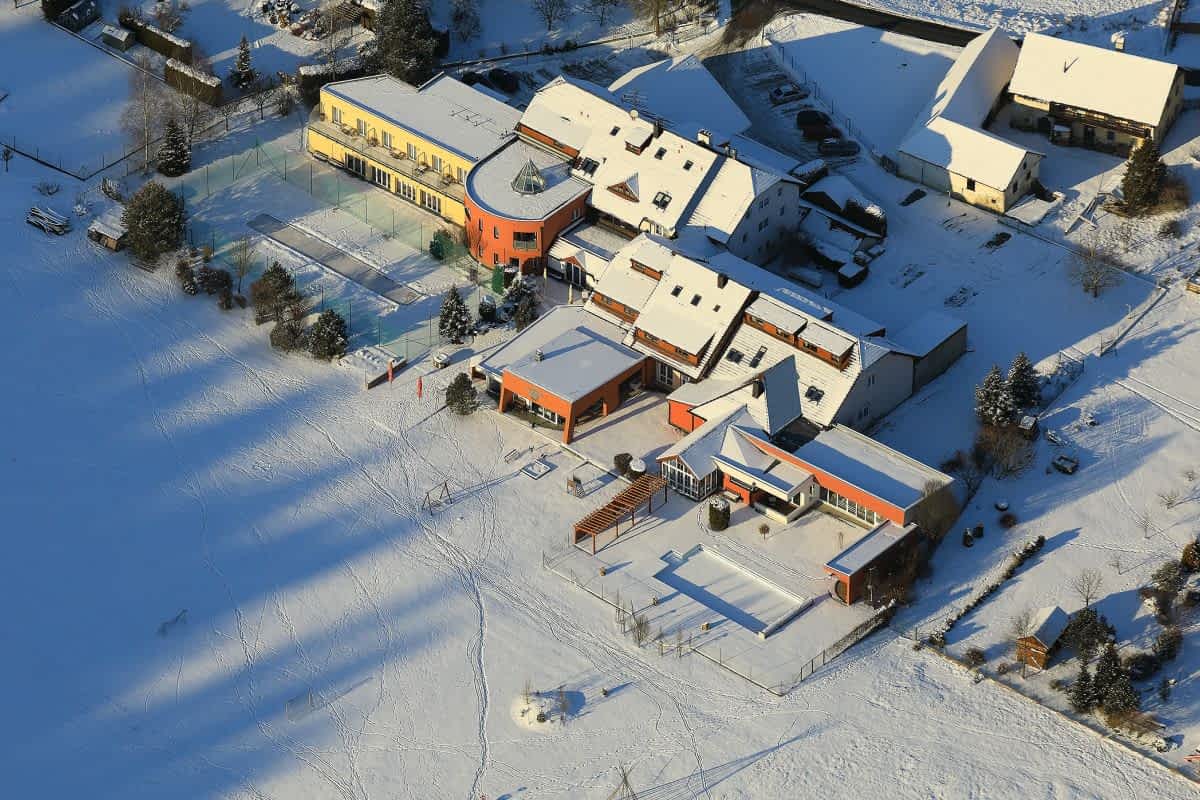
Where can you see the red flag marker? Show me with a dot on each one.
(420, 388)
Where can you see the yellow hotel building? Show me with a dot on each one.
(415, 142)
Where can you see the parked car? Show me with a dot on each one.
(819, 133)
(504, 80)
(838, 147)
(1065, 464)
(787, 93)
(807, 117)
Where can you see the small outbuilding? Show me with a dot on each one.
(1046, 629)
(108, 231)
(119, 38)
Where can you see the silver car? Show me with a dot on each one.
(787, 93)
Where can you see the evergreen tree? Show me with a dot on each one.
(1108, 671)
(993, 402)
(1144, 176)
(404, 41)
(1120, 695)
(1168, 578)
(1083, 692)
(461, 397)
(1023, 382)
(1189, 560)
(274, 291)
(175, 155)
(455, 320)
(328, 337)
(519, 289)
(242, 74)
(525, 312)
(153, 219)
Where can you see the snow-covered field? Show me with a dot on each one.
(513, 26)
(223, 583)
(64, 96)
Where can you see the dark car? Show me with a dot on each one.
(819, 133)
(807, 117)
(838, 147)
(504, 80)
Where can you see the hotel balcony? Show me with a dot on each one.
(393, 160)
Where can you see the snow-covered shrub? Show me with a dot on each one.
(328, 337)
(718, 514)
(461, 396)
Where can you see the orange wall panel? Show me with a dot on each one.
(680, 415)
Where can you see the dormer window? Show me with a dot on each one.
(662, 200)
(687, 165)
(659, 153)
(615, 130)
(695, 299)
(675, 292)
(588, 166)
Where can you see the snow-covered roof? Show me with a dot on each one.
(777, 405)
(739, 457)
(966, 151)
(858, 555)
(491, 182)
(109, 225)
(926, 332)
(949, 131)
(723, 204)
(1094, 78)
(657, 186)
(1048, 624)
(444, 110)
(597, 239)
(680, 90)
(579, 353)
(626, 285)
(696, 450)
(869, 465)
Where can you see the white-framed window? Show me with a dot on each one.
(381, 178)
(436, 163)
(412, 151)
(681, 479)
(406, 191)
(387, 140)
(362, 127)
(458, 174)
(337, 116)
(431, 201)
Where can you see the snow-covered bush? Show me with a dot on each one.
(328, 337)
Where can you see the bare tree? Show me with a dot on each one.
(602, 10)
(464, 19)
(193, 114)
(228, 110)
(146, 111)
(242, 260)
(1021, 623)
(1087, 585)
(641, 629)
(1094, 267)
(264, 93)
(551, 12)
(527, 693)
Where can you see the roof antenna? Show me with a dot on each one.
(1068, 64)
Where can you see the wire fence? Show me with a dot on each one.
(372, 321)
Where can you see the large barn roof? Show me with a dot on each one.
(1081, 75)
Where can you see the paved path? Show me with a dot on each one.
(334, 259)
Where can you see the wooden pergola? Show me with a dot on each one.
(626, 503)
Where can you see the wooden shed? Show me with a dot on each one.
(108, 231)
(120, 38)
(1036, 647)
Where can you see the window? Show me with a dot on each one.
(687, 165)
(662, 200)
(758, 357)
(412, 151)
(695, 299)
(431, 201)
(362, 127)
(356, 165)
(575, 213)
(337, 116)
(615, 130)
(659, 153)
(970, 184)
(810, 346)
(588, 166)
(407, 191)
(437, 164)
(716, 308)
(734, 356)
(458, 174)
(381, 178)
(387, 140)
(481, 224)
(495, 259)
(525, 241)
(495, 232)
(1110, 136)
(675, 292)
(743, 238)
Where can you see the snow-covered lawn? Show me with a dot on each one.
(64, 97)
(513, 26)
(223, 584)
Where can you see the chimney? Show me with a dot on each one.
(704, 137)
(731, 151)
(537, 354)
(756, 388)
(658, 128)
(633, 113)
(722, 279)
